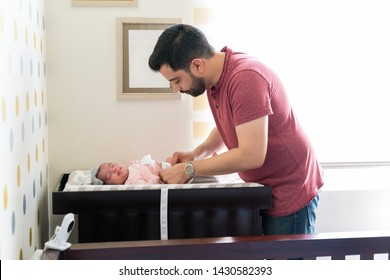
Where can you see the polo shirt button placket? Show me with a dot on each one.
(219, 112)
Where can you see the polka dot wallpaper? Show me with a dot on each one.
(23, 128)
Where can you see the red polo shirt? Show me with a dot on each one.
(248, 90)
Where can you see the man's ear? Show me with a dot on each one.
(197, 66)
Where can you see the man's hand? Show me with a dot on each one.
(174, 174)
(180, 157)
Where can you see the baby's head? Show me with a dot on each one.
(109, 173)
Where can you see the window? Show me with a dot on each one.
(333, 58)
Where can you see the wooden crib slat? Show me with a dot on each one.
(367, 256)
(338, 257)
(337, 245)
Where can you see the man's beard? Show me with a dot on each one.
(198, 86)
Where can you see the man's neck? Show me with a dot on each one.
(216, 64)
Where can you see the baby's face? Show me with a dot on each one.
(112, 173)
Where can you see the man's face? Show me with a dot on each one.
(183, 81)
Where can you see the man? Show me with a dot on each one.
(254, 120)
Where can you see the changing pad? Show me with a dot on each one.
(80, 180)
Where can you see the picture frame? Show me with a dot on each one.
(105, 3)
(136, 38)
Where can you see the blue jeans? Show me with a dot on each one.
(301, 222)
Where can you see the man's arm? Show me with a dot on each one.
(211, 145)
(250, 153)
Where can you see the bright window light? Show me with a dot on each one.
(333, 58)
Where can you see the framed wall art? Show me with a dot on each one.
(136, 38)
(104, 2)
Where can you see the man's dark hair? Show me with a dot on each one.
(177, 46)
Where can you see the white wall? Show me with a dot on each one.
(353, 210)
(355, 198)
(87, 123)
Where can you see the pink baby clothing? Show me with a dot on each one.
(144, 171)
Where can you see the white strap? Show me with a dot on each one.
(164, 213)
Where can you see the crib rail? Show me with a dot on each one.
(337, 246)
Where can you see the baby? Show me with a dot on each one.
(144, 171)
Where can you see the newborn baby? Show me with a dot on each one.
(144, 171)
